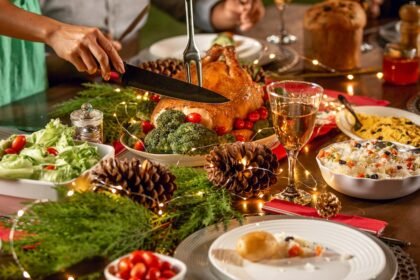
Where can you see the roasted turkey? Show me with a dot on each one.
(223, 74)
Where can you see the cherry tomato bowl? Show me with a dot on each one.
(176, 265)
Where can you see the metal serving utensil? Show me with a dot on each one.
(191, 53)
(358, 125)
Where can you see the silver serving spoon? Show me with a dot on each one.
(358, 125)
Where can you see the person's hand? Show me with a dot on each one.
(232, 14)
(86, 48)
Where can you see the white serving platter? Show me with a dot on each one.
(186, 160)
(246, 48)
(368, 259)
(35, 189)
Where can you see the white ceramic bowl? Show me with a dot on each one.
(178, 265)
(367, 188)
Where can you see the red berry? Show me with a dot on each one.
(10, 151)
(265, 96)
(139, 146)
(263, 113)
(168, 273)
(239, 123)
(52, 151)
(165, 266)
(147, 126)
(138, 271)
(248, 125)
(240, 138)
(18, 143)
(253, 116)
(220, 130)
(153, 274)
(155, 97)
(193, 118)
(124, 268)
(150, 260)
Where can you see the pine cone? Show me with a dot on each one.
(256, 72)
(327, 205)
(245, 169)
(168, 66)
(143, 181)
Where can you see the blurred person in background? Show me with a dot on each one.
(113, 16)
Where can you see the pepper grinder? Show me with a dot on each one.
(410, 26)
(88, 123)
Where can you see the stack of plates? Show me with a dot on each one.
(371, 259)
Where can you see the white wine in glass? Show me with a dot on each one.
(294, 105)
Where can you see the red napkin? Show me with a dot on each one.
(280, 152)
(367, 224)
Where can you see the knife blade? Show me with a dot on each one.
(163, 85)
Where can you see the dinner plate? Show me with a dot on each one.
(367, 262)
(186, 160)
(246, 48)
(345, 120)
(194, 249)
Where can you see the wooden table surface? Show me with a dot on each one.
(403, 215)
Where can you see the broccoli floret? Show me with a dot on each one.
(156, 141)
(192, 138)
(145, 109)
(170, 119)
(262, 129)
(227, 138)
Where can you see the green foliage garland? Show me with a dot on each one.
(106, 98)
(89, 225)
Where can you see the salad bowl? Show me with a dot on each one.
(36, 189)
(368, 188)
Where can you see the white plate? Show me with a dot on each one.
(246, 49)
(345, 121)
(185, 160)
(368, 260)
(35, 189)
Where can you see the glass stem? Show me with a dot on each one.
(291, 157)
(282, 22)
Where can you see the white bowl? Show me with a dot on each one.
(186, 160)
(36, 189)
(179, 266)
(367, 188)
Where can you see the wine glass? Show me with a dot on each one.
(294, 105)
(284, 38)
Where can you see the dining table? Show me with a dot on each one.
(402, 214)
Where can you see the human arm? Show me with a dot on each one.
(86, 48)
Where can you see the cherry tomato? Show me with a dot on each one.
(150, 260)
(249, 125)
(240, 138)
(239, 123)
(253, 116)
(168, 273)
(294, 251)
(136, 256)
(124, 268)
(165, 266)
(18, 143)
(139, 146)
(49, 167)
(193, 118)
(263, 113)
(10, 151)
(147, 126)
(220, 130)
(155, 98)
(138, 271)
(52, 151)
(153, 274)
